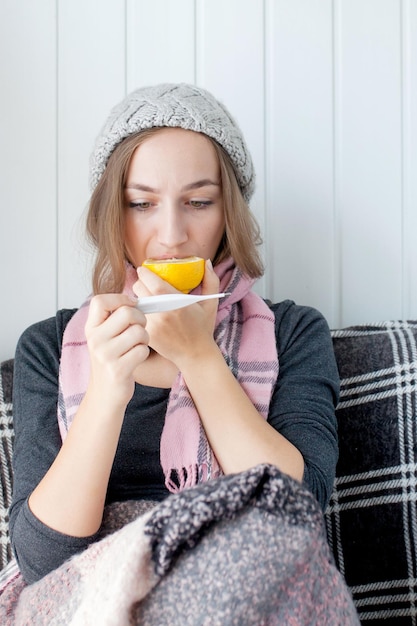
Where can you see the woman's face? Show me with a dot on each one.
(173, 198)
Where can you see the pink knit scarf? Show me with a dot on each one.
(245, 334)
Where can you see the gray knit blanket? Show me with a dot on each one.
(247, 549)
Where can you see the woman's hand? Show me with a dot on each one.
(71, 496)
(117, 342)
(182, 333)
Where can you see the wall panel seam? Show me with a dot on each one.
(126, 60)
(405, 127)
(57, 140)
(267, 290)
(269, 278)
(195, 41)
(337, 226)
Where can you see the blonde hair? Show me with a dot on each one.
(105, 219)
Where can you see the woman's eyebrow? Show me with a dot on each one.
(140, 187)
(204, 182)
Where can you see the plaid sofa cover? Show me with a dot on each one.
(372, 515)
(6, 446)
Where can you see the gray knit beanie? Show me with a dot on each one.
(178, 106)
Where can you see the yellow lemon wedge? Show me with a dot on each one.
(183, 274)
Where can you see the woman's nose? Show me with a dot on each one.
(172, 231)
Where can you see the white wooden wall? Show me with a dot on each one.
(325, 91)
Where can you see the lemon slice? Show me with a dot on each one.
(183, 274)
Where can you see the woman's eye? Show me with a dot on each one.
(200, 204)
(140, 206)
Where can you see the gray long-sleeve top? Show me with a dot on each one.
(302, 410)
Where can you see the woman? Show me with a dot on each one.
(149, 405)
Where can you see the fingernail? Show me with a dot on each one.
(209, 264)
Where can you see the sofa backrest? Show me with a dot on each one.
(371, 519)
(6, 448)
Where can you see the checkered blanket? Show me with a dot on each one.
(372, 516)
